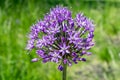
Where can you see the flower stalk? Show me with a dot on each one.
(64, 72)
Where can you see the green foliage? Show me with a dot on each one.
(16, 17)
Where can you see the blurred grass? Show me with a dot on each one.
(16, 17)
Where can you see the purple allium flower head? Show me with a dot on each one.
(64, 39)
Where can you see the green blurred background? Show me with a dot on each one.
(16, 17)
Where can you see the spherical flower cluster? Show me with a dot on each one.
(64, 39)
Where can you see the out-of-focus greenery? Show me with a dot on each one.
(16, 17)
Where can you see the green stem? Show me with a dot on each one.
(64, 71)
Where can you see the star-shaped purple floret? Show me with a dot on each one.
(64, 49)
